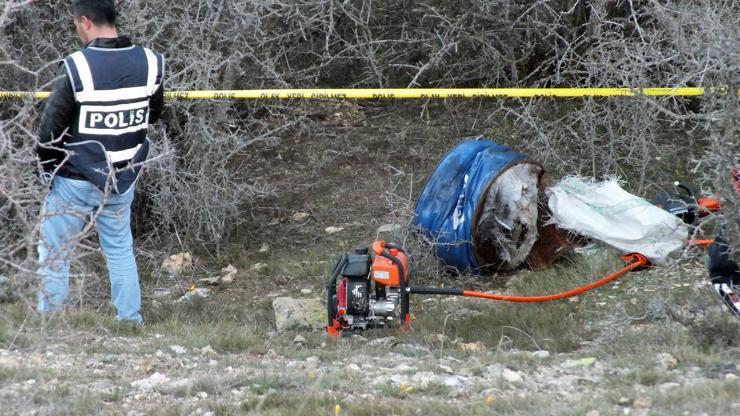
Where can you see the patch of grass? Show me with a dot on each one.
(639, 348)
(62, 400)
(332, 352)
(114, 396)
(435, 389)
(238, 340)
(711, 397)
(530, 404)
(555, 326)
(9, 374)
(264, 382)
(22, 328)
(278, 403)
(211, 310)
(198, 322)
(223, 337)
(196, 310)
(88, 320)
(649, 376)
(323, 404)
(318, 344)
(331, 382)
(212, 385)
(645, 342)
(11, 338)
(56, 394)
(176, 410)
(716, 332)
(390, 390)
(714, 398)
(13, 317)
(16, 312)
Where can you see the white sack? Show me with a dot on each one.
(607, 213)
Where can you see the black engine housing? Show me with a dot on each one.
(357, 273)
(358, 297)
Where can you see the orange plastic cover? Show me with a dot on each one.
(385, 272)
(708, 204)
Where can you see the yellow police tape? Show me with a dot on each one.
(406, 93)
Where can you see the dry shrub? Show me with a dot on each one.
(209, 174)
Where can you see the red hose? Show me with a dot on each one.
(634, 261)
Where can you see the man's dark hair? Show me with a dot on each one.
(100, 12)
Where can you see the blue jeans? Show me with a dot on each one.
(69, 206)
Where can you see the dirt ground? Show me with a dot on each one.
(656, 342)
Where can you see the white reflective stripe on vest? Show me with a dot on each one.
(89, 93)
(120, 94)
(83, 70)
(123, 155)
(151, 81)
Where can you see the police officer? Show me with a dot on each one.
(94, 141)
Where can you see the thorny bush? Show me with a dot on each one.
(208, 175)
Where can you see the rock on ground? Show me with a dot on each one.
(176, 263)
(150, 383)
(389, 228)
(228, 274)
(291, 314)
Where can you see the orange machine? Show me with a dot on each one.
(374, 289)
(383, 270)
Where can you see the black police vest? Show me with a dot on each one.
(112, 88)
